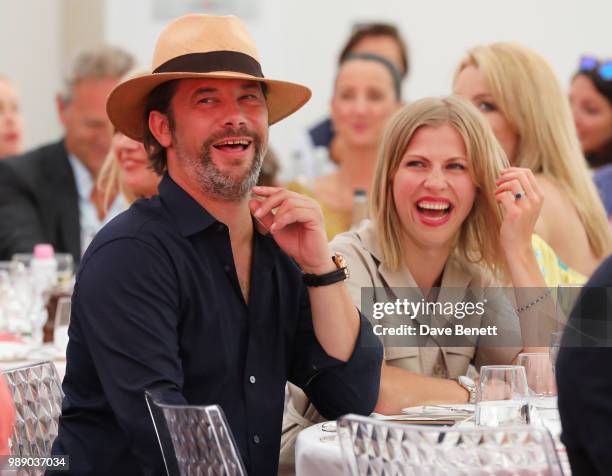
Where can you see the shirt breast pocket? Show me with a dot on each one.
(406, 358)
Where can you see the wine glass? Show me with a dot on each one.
(502, 399)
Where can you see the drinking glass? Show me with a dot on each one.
(62, 321)
(23, 258)
(540, 378)
(65, 269)
(502, 399)
(553, 350)
(65, 266)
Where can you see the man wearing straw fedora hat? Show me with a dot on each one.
(215, 291)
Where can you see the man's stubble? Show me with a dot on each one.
(211, 179)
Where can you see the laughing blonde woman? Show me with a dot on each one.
(518, 93)
(448, 215)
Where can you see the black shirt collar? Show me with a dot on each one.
(188, 214)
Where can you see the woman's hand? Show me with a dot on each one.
(520, 195)
(296, 226)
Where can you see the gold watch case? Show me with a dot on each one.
(340, 263)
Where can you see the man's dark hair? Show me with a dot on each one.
(158, 100)
(366, 30)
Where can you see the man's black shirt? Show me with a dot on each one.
(157, 305)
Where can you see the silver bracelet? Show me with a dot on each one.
(534, 302)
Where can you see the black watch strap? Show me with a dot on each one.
(332, 277)
(324, 279)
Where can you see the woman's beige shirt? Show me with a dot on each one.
(362, 251)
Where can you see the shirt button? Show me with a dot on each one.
(256, 439)
(252, 379)
(227, 268)
(220, 227)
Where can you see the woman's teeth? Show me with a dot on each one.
(434, 209)
(433, 205)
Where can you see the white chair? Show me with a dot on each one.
(375, 447)
(37, 393)
(201, 439)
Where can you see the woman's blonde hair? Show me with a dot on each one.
(478, 239)
(528, 94)
(109, 182)
(109, 178)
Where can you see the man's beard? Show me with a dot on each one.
(214, 181)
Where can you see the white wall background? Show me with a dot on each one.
(31, 55)
(300, 40)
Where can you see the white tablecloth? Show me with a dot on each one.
(317, 452)
(47, 352)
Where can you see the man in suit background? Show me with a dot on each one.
(48, 195)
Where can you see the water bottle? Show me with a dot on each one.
(43, 268)
(360, 207)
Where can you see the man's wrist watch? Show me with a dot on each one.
(469, 385)
(340, 274)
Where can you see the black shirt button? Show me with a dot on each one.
(252, 379)
(220, 227)
(256, 439)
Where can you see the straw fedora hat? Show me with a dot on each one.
(201, 46)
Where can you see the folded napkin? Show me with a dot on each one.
(431, 414)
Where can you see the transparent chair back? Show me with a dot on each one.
(201, 439)
(37, 393)
(163, 435)
(374, 447)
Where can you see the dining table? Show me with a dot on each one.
(317, 450)
(42, 353)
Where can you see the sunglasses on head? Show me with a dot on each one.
(602, 68)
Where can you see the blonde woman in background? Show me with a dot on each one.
(126, 171)
(11, 122)
(437, 223)
(518, 93)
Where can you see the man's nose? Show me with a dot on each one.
(234, 115)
